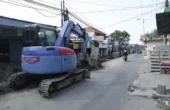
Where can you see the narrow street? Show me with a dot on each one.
(106, 90)
(46, 47)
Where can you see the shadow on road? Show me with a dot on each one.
(129, 61)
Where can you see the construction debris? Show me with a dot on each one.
(163, 103)
(3, 88)
(139, 91)
(95, 64)
(6, 72)
(161, 89)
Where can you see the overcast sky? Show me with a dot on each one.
(115, 14)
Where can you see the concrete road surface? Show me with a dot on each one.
(106, 90)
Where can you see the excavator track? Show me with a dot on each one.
(51, 87)
(18, 80)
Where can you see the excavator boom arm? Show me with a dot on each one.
(64, 36)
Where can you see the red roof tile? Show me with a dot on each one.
(92, 29)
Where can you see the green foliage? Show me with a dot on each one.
(120, 36)
(152, 34)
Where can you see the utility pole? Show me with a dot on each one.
(62, 13)
(66, 17)
(165, 36)
(63, 5)
(143, 21)
(65, 13)
(166, 3)
(143, 27)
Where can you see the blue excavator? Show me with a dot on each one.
(52, 60)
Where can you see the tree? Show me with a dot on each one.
(126, 37)
(121, 37)
(152, 34)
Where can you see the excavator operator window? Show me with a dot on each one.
(29, 35)
(50, 37)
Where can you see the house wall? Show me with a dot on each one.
(103, 47)
(94, 53)
(15, 48)
(107, 40)
(95, 50)
(11, 38)
(163, 47)
(150, 46)
(4, 49)
(91, 34)
(99, 38)
(153, 43)
(12, 45)
(104, 52)
(94, 37)
(115, 51)
(10, 32)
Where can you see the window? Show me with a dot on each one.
(29, 35)
(50, 37)
(115, 49)
(8, 32)
(19, 32)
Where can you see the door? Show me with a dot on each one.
(4, 50)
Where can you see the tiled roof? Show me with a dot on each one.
(92, 29)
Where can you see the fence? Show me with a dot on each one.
(156, 57)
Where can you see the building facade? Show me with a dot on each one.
(99, 37)
(11, 39)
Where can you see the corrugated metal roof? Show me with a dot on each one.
(6, 21)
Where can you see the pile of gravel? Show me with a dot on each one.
(6, 72)
(96, 65)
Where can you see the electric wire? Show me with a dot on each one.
(26, 6)
(127, 19)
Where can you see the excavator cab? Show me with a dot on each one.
(39, 35)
